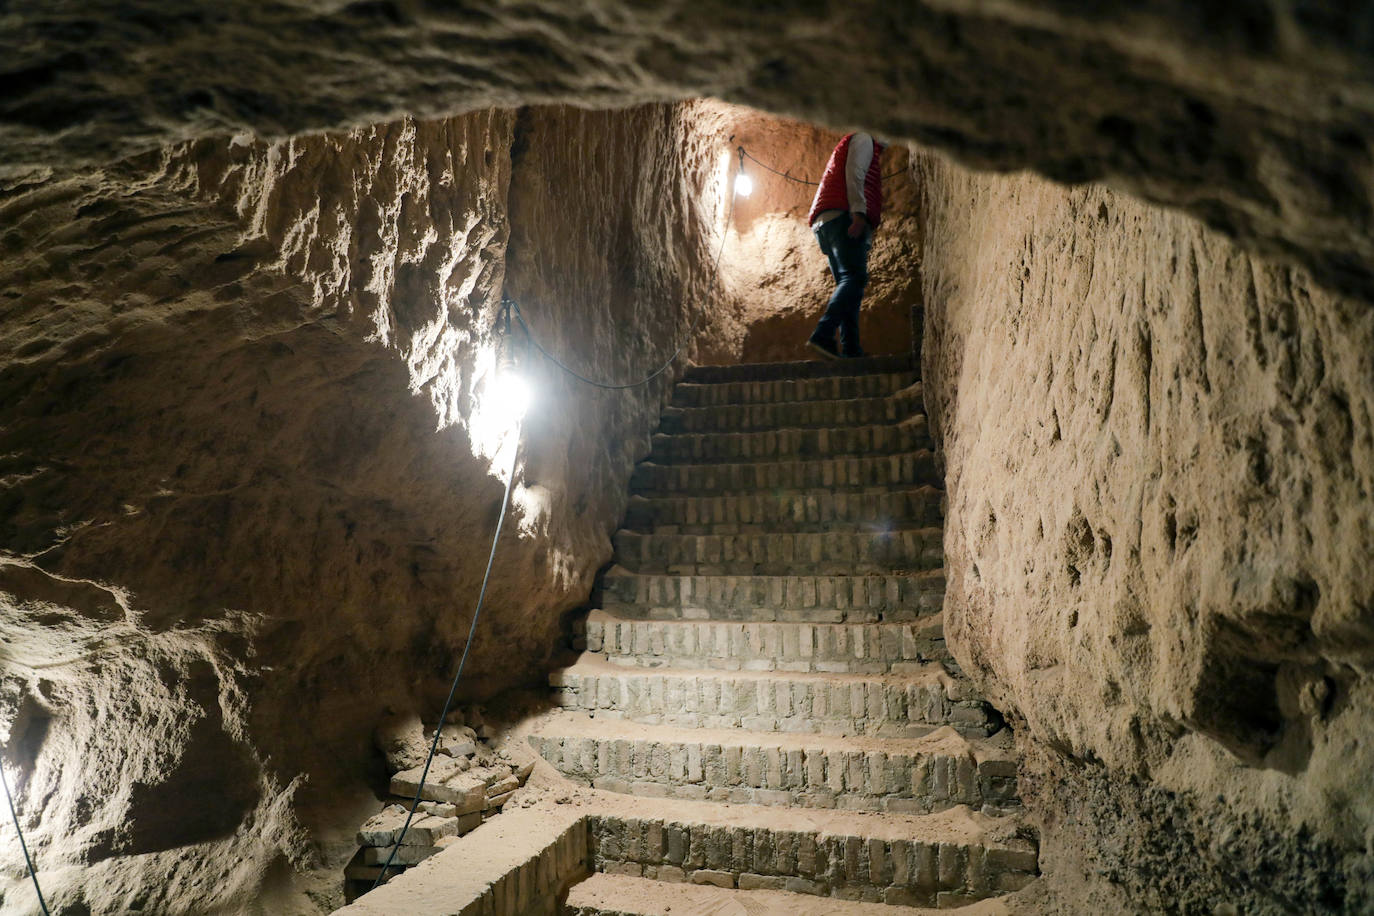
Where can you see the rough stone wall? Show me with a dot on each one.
(251, 468)
(1160, 456)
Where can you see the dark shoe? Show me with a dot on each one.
(825, 348)
(855, 353)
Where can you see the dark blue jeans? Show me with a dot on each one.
(849, 266)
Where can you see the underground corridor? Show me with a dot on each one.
(418, 496)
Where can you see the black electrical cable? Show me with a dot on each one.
(9, 799)
(453, 690)
(768, 168)
(715, 276)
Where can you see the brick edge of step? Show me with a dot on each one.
(748, 372)
(876, 775)
(902, 705)
(946, 858)
(866, 647)
(788, 443)
(623, 895)
(802, 413)
(847, 473)
(791, 599)
(828, 554)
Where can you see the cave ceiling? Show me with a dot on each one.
(1255, 118)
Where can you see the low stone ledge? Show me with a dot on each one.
(519, 863)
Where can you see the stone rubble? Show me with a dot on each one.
(469, 782)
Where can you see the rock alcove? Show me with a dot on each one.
(250, 265)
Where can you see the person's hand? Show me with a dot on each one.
(858, 225)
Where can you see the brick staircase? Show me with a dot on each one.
(767, 676)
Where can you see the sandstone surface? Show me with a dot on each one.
(1255, 118)
(1159, 458)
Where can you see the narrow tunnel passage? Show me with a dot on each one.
(246, 456)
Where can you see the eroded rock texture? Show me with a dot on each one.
(1255, 118)
(251, 467)
(1160, 458)
(199, 424)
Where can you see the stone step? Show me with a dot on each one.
(814, 599)
(832, 388)
(894, 408)
(948, 858)
(909, 776)
(906, 705)
(815, 368)
(798, 444)
(517, 863)
(622, 895)
(831, 553)
(853, 473)
(832, 648)
(797, 510)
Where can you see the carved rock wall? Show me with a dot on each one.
(1160, 456)
(252, 463)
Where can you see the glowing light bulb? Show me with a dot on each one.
(744, 185)
(512, 396)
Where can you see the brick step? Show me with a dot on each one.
(815, 368)
(797, 510)
(899, 406)
(622, 895)
(906, 705)
(947, 858)
(853, 473)
(813, 599)
(833, 388)
(830, 553)
(799, 444)
(909, 776)
(833, 648)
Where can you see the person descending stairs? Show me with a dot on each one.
(766, 674)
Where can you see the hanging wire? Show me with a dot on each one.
(806, 181)
(453, 690)
(33, 873)
(715, 276)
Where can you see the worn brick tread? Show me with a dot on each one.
(845, 648)
(795, 444)
(907, 705)
(910, 776)
(748, 417)
(800, 369)
(794, 510)
(816, 599)
(852, 473)
(831, 553)
(622, 895)
(946, 858)
(785, 390)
